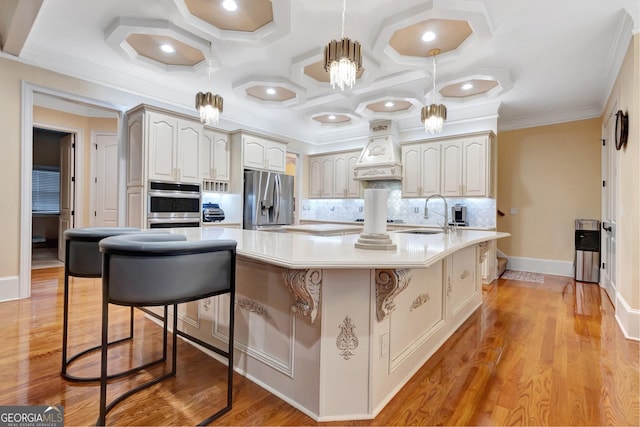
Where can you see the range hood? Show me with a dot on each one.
(380, 159)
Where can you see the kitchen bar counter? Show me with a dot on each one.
(333, 330)
(298, 251)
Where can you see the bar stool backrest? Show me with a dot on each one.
(83, 257)
(159, 269)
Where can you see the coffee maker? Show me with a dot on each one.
(459, 215)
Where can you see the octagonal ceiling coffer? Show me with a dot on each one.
(389, 106)
(449, 35)
(468, 88)
(250, 16)
(270, 93)
(328, 119)
(149, 46)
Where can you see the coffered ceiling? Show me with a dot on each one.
(529, 62)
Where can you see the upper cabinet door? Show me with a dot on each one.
(451, 172)
(430, 169)
(276, 156)
(326, 188)
(254, 152)
(339, 176)
(221, 158)
(411, 171)
(162, 147)
(353, 185)
(474, 172)
(188, 145)
(315, 177)
(206, 154)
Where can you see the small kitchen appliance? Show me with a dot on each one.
(212, 212)
(459, 215)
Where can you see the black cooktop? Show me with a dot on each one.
(397, 221)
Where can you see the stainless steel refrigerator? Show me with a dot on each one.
(268, 199)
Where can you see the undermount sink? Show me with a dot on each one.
(420, 231)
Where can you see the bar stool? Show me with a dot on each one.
(83, 259)
(148, 269)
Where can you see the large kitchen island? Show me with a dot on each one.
(334, 330)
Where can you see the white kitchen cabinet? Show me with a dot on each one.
(465, 167)
(172, 147)
(420, 170)
(261, 153)
(331, 176)
(461, 166)
(214, 156)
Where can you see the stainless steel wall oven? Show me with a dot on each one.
(173, 204)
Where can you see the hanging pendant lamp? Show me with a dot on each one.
(434, 115)
(209, 105)
(343, 59)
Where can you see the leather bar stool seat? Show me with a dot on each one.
(149, 269)
(83, 259)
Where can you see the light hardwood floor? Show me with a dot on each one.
(533, 354)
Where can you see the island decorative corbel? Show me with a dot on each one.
(305, 287)
(389, 283)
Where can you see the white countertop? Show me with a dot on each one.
(301, 251)
(323, 229)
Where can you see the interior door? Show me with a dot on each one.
(67, 190)
(609, 203)
(106, 181)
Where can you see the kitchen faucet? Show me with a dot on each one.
(445, 227)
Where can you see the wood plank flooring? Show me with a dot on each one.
(533, 354)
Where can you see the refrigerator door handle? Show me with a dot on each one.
(276, 199)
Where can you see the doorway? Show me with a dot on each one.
(52, 195)
(90, 112)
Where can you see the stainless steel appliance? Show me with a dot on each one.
(587, 241)
(459, 215)
(171, 204)
(268, 199)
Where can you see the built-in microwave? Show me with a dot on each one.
(172, 204)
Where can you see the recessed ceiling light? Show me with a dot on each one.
(230, 5)
(389, 104)
(467, 86)
(167, 48)
(331, 117)
(428, 36)
(271, 91)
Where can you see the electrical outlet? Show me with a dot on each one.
(360, 209)
(416, 210)
(514, 211)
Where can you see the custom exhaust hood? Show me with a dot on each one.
(380, 159)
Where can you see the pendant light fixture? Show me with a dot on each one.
(209, 105)
(343, 59)
(434, 115)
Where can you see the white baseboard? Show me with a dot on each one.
(539, 265)
(9, 288)
(628, 318)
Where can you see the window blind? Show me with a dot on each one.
(45, 191)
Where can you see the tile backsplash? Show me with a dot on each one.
(481, 212)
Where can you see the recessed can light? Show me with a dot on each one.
(331, 117)
(167, 48)
(467, 86)
(428, 36)
(230, 5)
(271, 91)
(389, 104)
